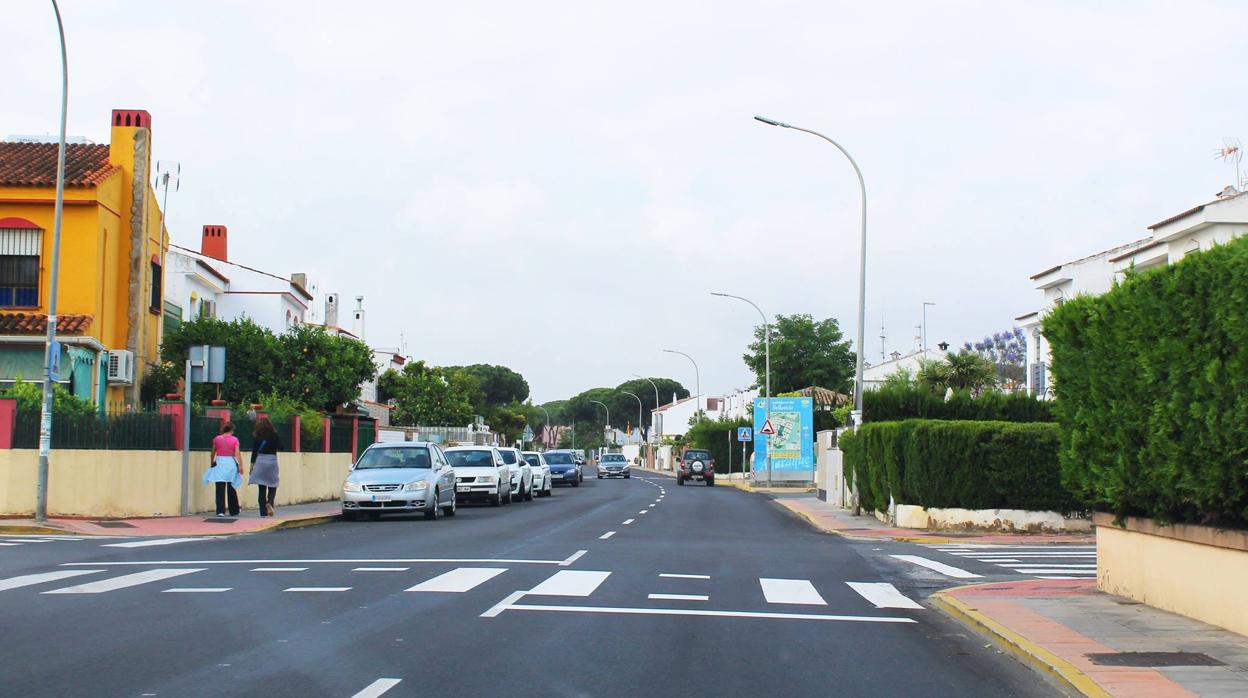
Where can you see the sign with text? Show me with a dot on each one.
(792, 445)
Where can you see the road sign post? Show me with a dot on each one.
(204, 364)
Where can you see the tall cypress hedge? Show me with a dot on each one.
(1152, 387)
(962, 464)
(891, 404)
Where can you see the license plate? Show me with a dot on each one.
(463, 488)
(381, 498)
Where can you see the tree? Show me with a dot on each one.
(251, 354)
(1007, 351)
(498, 386)
(965, 370)
(428, 395)
(803, 353)
(901, 379)
(321, 370)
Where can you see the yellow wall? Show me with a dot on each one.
(1200, 581)
(120, 484)
(95, 253)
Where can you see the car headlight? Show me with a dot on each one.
(486, 479)
(417, 485)
(349, 486)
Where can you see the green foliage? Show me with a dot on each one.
(161, 379)
(251, 354)
(30, 399)
(1152, 387)
(901, 379)
(803, 353)
(965, 370)
(718, 436)
(887, 404)
(497, 386)
(963, 464)
(426, 395)
(319, 369)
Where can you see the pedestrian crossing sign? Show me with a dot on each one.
(767, 429)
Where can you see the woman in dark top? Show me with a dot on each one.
(264, 450)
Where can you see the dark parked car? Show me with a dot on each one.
(564, 468)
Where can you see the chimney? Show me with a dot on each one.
(331, 310)
(357, 319)
(895, 355)
(215, 243)
(133, 118)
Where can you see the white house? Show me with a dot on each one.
(1217, 221)
(208, 283)
(673, 418)
(873, 376)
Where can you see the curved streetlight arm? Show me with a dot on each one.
(608, 409)
(639, 406)
(766, 369)
(697, 376)
(862, 253)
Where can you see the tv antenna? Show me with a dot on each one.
(168, 174)
(1233, 151)
(883, 336)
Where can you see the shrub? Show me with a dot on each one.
(30, 399)
(1152, 386)
(714, 435)
(964, 464)
(891, 404)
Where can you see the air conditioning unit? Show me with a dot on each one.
(121, 367)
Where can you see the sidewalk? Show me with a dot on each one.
(729, 481)
(1103, 645)
(249, 521)
(832, 519)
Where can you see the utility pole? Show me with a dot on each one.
(52, 355)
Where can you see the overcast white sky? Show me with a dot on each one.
(556, 186)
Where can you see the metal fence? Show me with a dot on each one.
(340, 436)
(368, 434)
(138, 431)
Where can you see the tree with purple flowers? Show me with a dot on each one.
(1008, 352)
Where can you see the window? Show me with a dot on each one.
(19, 281)
(157, 297)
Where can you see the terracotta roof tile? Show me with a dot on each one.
(34, 164)
(37, 323)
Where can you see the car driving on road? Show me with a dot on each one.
(542, 485)
(696, 464)
(564, 469)
(480, 474)
(613, 465)
(399, 478)
(521, 474)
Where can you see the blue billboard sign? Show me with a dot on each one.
(793, 444)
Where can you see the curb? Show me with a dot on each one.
(283, 524)
(1029, 652)
(24, 529)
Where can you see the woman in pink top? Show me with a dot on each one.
(225, 473)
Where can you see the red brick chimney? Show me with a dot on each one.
(132, 117)
(215, 243)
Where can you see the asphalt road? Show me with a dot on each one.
(617, 588)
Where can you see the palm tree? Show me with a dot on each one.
(965, 370)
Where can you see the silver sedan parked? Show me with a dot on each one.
(396, 478)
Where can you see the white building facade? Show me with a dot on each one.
(873, 376)
(1216, 222)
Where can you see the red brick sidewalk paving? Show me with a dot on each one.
(1057, 625)
(196, 525)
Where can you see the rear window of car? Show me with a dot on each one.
(509, 457)
(697, 455)
(533, 460)
(470, 459)
(559, 458)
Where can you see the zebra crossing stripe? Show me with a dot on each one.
(124, 581)
(947, 570)
(883, 595)
(570, 583)
(459, 580)
(29, 579)
(148, 543)
(794, 591)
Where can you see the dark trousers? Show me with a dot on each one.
(222, 488)
(265, 496)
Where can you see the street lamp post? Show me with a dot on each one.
(697, 377)
(639, 407)
(45, 412)
(545, 424)
(862, 271)
(767, 369)
(608, 409)
(654, 437)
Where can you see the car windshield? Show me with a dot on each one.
(559, 458)
(534, 460)
(509, 457)
(697, 455)
(394, 457)
(470, 459)
(613, 458)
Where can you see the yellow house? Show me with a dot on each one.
(113, 242)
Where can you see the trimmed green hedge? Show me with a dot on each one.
(1152, 386)
(892, 404)
(965, 464)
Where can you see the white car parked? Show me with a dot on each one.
(521, 474)
(480, 474)
(542, 484)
